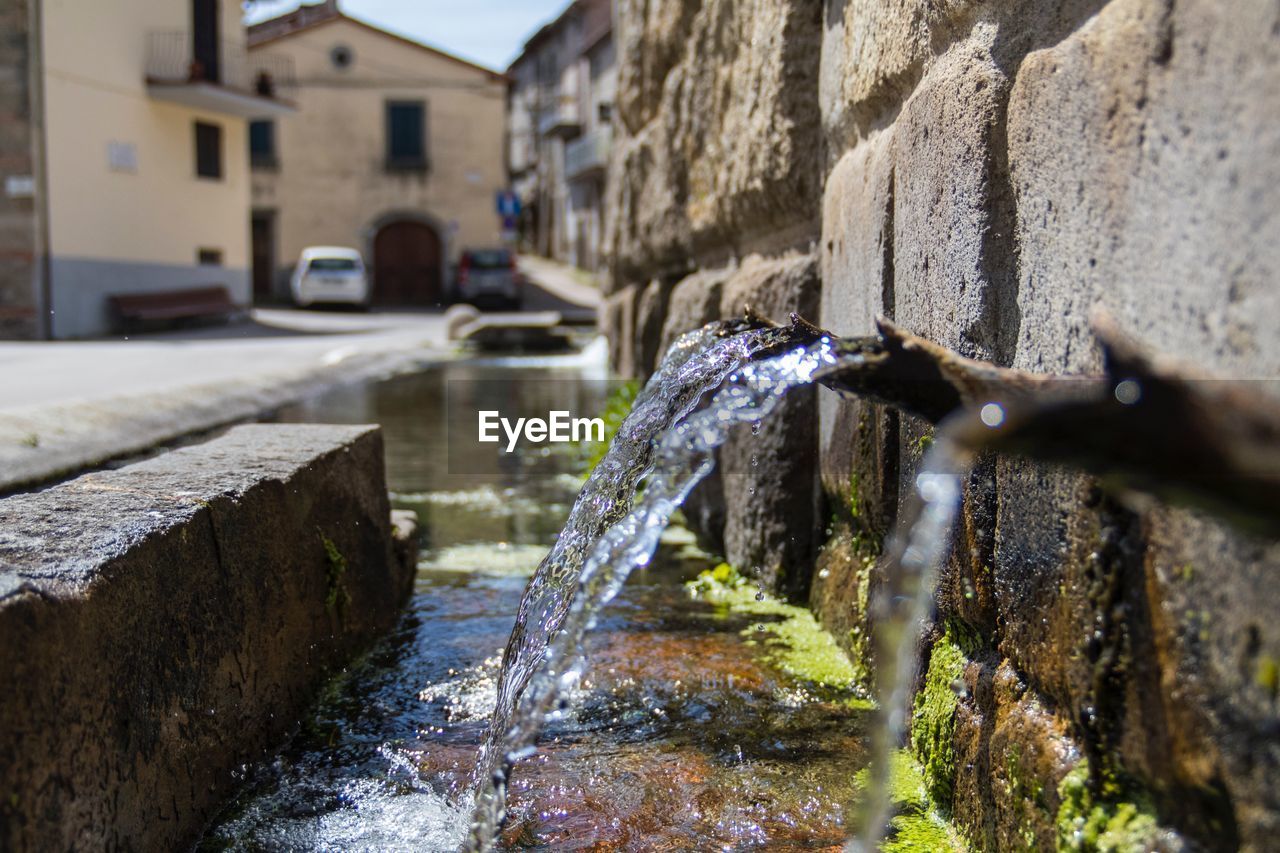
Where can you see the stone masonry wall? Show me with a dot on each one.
(985, 174)
(17, 214)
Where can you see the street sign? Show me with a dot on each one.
(508, 204)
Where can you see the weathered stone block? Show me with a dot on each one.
(694, 302)
(949, 270)
(1129, 143)
(859, 441)
(651, 310)
(650, 40)
(165, 623)
(874, 53)
(731, 155)
(769, 474)
(1145, 156)
(773, 287)
(648, 226)
(618, 320)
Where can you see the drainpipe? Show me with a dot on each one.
(40, 171)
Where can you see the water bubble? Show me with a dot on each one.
(759, 593)
(992, 415)
(1128, 392)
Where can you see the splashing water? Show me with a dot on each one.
(919, 544)
(560, 607)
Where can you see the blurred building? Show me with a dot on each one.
(559, 132)
(123, 152)
(396, 150)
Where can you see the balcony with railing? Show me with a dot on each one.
(588, 155)
(227, 80)
(561, 117)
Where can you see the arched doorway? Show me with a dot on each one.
(406, 264)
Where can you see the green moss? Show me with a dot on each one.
(793, 640)
(1268, 675)
(855, 503)
(334, 573)
(616, 409)
(917, 825)
(925, 442)
(1091, 824)
(933, 718)
(1026, 794)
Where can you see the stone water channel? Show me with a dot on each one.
(710, 714)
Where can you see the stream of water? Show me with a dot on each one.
(682, 734)
(684, 456)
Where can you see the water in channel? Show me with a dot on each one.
(682, 733)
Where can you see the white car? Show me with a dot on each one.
(329, 275)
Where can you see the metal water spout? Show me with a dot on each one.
(1150, 424)
(1156, 426)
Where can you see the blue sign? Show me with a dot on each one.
(508, 204)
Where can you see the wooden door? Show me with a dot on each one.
(406, 265)
(263, 233)
(204, 39)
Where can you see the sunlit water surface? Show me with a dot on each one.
(680, 735)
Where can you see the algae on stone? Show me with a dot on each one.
(917, 825)
(1091, 824)
(336, 569)
(795, 642)
(933, 718)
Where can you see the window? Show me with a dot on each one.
(208, 151)
(262, 144)
(341, 56)
(406, 135)
(209, 257)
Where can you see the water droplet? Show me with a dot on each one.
(824, 573)
(1128, 392)
(759, 594)
(992, 415)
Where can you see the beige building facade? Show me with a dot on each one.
(396, 150)
(136, 176)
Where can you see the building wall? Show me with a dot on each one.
(332, 187)
(985, 173)
(569, 60)
(120, 229)
(19, 261)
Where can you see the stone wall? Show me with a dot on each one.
(166, 623)
(18, 261)
(986, 173)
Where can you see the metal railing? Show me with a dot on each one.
(588, 153)
(171, 59)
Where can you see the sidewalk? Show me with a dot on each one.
(561, 280)
(70, 405)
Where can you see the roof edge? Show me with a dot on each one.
(322, 20)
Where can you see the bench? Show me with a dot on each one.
(169, 305)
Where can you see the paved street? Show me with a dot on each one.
(67, 405)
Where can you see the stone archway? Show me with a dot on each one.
(408, 257)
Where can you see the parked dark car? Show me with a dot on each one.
(489, 278)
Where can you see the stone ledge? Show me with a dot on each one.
(165, 623)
